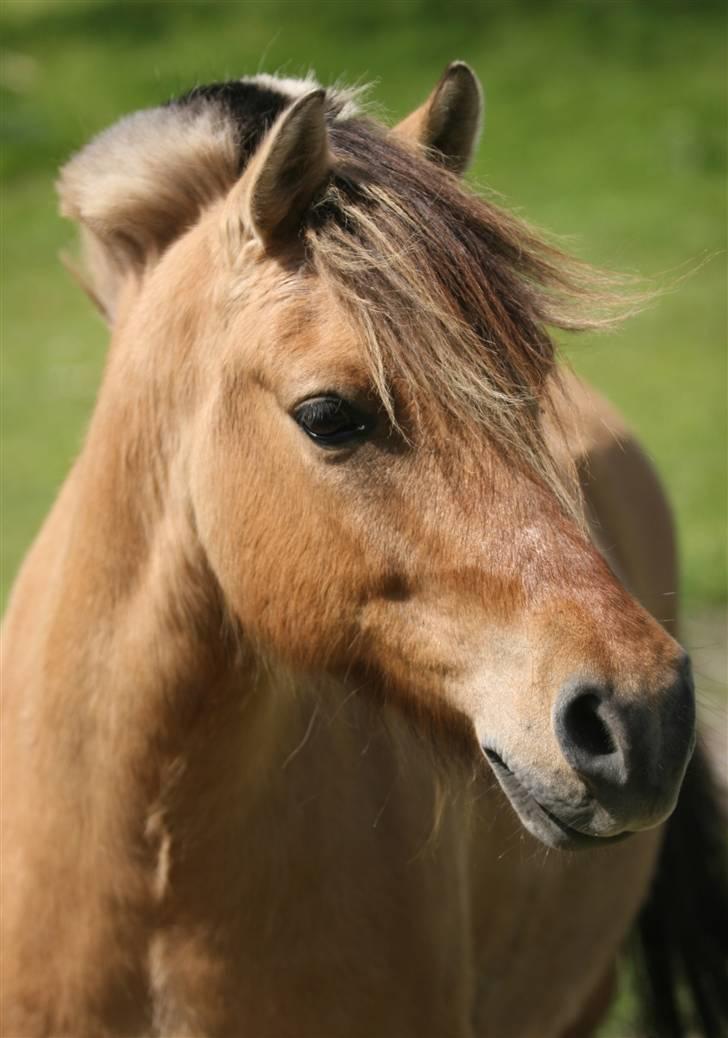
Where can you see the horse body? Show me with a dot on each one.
(211, 893)
(231, 903)
(240, 794)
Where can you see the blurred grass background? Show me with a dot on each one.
(605, 122)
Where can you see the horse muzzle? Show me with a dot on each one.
(627, 755)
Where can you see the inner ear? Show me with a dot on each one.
(448, 124)
(291, 168)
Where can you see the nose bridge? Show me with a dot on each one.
(615, 644)
(589, 610)
(535, 569)
(641, 659)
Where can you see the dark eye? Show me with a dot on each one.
(331, 421)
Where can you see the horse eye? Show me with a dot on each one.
(331, 421)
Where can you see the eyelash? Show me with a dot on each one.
(353, 427)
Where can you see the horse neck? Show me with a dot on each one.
(116, 630)
(124, 692)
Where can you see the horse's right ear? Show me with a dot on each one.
(289, 170)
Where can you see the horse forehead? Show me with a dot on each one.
(304, 337)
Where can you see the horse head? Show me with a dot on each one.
(342, 359)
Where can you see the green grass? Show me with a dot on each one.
(604, 122)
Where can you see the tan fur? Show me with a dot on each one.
(241, 678)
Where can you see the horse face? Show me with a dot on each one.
(416, 559)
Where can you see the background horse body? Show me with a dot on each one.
(286, 592)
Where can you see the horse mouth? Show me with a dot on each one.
(545, 825)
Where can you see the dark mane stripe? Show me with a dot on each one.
(249, 108)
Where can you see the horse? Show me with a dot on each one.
(336, 698)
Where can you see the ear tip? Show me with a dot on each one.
(309, 109)
(461, 69)
(462, 72)
(314, 98)
(450, 121)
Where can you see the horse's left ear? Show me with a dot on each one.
(291, 167)
(448, 123)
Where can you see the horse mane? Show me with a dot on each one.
(450, 295)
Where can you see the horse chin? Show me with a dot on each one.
(550, 828)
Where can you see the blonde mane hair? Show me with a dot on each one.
(451, 296)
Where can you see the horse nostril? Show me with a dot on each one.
(588, 733)
(630, 752)
(586, 729)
